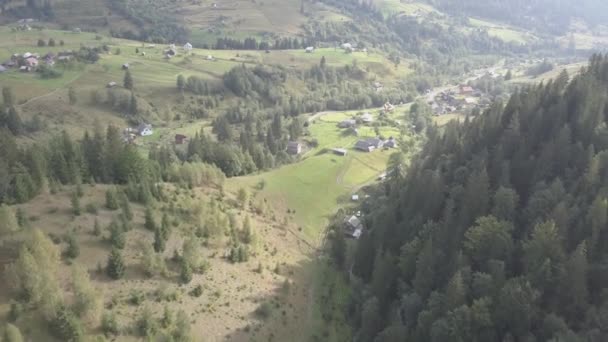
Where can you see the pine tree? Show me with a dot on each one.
(125, 205)
(117, 235)
(116, 267)
(73, 249)
(111, 199)
(133, 106)
(72, 97)
(8, 99)
(181, 82)
(128, 80)
(159, 241)
(150, 223)
(247, 231)
(165, 227)
(75, 200)
(185, 274)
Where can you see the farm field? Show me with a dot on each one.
(503, 32)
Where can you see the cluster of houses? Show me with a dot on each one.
(171, 50)
(347, 47)
(30, 61)
(130, 134)
(449, 101)
(372, 144)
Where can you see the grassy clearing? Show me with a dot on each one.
(316, 186)
(503, 32)
(407, 8)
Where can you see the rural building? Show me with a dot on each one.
(367, 118)
(111, 85)
(355, 198)
(125, 66)
(31, 62)
(339, 151)
(353, 227)
(145, 130)
(470, 101)
(180, 139)
(368, 145)
(188, 47)
(310, 49)
(170, 53)
(466, 90)
(347, 123)
(390, 143)
(347, 46)
(209, 58)
(294, 148)
(378, 86)
(27, 55)
(2, 69)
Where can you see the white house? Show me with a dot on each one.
(209, 57)
(310, 49)
(355, 198)
(145, 130)
(188, 47)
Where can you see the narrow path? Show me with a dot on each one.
(52, 92)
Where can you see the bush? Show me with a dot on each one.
(47, 72)
(197, 291)
(264, 311)
(91, 208)
(146, 325)
(109, 324)
(136, 297)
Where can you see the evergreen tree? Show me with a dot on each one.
(75, 200)
(116, 267)
(8, 221)
(181, 82)
(73, 248)
(150, 223)
(128, 80)
(159, 241)
(72, 97)
(111, 199)
(125, 205)
(185, 273)
(117, 235)
(248, 233)
(8, 98)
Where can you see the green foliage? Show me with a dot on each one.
(115, 267)
(75, 200)
(239, 253)
(159, 241)
(146, 325)
(498, 225)
(264, 311)
(128, 80)
(149, 223)
(185, 272)
(73, 249)
(117, 235)
(182, 331)
(66, 326)
(12, 334)
(197, 291)
(8, 221)
(111, 199)
(109, 324)
(125, 205)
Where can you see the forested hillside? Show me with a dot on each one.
(550, 15)
(498, 232)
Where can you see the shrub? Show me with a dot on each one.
(91, 208)
(264, 311)
(109, 324)
(197, 291)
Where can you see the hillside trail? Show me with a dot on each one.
(51, 93)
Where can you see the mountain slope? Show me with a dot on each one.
(498, 232)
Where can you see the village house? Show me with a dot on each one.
(188, 47)
(180, 139)
(125, 66)
(209, 58)
(347, 123)
(145, 130)
(310, 49)
(466, 90)
(31, 62)
(2, 69)
(294, 148)
(369, 145)
(340, 151)
(355, 198)
(378, 86)
(111, 85)
(353, 227)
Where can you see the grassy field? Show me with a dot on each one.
(503, 32)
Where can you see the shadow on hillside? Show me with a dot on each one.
(285, 314)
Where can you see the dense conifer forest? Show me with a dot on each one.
(498, 231)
